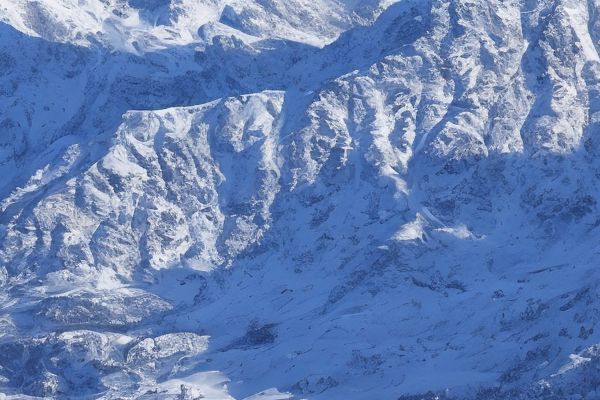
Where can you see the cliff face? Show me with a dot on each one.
(332, 199)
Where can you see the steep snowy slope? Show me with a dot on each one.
(143, 25)
(334, 200)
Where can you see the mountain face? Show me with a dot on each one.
(299, 199)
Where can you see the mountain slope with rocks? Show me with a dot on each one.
(288, 200)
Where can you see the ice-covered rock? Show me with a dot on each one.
(336, 199)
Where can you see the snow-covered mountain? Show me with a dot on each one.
(299, 199)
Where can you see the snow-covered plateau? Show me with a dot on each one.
(300, 199)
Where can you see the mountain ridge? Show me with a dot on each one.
(406, 208)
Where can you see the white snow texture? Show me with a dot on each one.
(300, 199)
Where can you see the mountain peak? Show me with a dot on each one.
(304, 199)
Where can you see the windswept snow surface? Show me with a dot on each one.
(300, 199)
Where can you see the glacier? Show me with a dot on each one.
(326, 199)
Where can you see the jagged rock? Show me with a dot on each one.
(344, 199)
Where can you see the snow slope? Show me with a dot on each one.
(277, 200)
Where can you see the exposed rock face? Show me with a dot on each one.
(331, 199)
